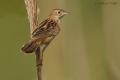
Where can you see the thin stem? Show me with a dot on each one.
(39, 64)
(32, 11)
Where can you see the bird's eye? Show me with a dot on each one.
(58, 12)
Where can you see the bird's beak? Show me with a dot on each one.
(65, 13)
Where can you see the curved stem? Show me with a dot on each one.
(32, 11)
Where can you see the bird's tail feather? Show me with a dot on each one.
(30, 46)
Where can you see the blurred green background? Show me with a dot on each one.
(88, 47)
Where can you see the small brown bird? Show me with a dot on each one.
(45, 32)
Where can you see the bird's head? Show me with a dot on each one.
(58, 13)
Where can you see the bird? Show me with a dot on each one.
(45, 32)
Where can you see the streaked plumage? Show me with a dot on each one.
(45, 32)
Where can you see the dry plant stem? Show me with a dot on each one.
(31, 7)
(38, 64)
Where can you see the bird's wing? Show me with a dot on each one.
(39, 28)
(43, 28)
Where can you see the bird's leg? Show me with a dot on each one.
(42, 49)
(39, 57)
(46, 44)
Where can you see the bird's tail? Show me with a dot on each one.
(30, 46)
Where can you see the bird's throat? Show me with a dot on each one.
(55, 18)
